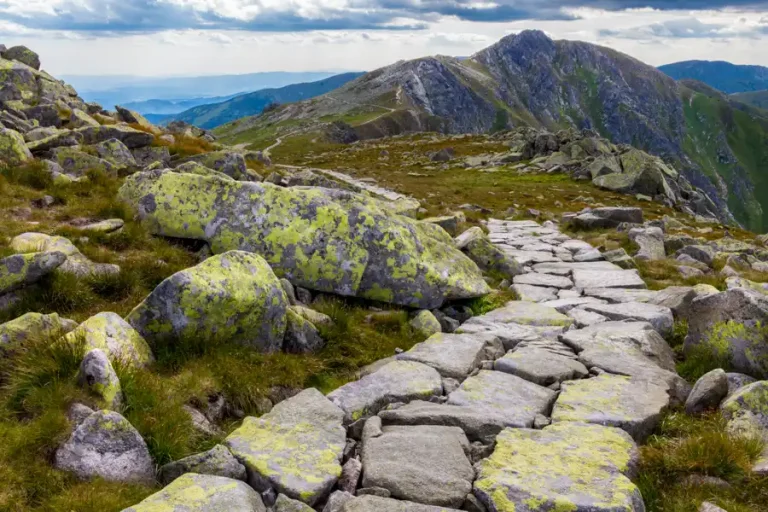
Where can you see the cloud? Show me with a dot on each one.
(685, 28)
(147, 16)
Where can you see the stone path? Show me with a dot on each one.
(536, 406)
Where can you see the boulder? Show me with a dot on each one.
(708, 392)
(106, 446)
(488, 256)
(149, 155)
(230, 298)
(747, 411)
(25, 269)
(201, 170)
(46, 114)
(608, 217)
(423, 464)
(115, 152)
(80, 119)
(450, 223)
(13, 150)
(301, 336)
(217, 461)
(227, 162)
(642, 174)
(736, 381)
(294, 449)
(399, 381)
(701, 253)
(305, 233)
(425, 323)
(24, 55)
(76, 262)
(119, 341)
(580, 468)
(98, 376)
(40, 133)
(678, 299)
(455, 355)
(633, 405)
(131, 137)
(286, 504)
(604, 165)
(651, 242)
(77, 163)
(34, 326)
(133, 117)
(203, 493)
(379, 504)
(57, 140)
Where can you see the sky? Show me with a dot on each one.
(211, 37)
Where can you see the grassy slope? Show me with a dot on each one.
(757, 99)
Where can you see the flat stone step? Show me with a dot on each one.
(400, 381)
(541, 366)
(455, 355)
(584, 279)
(378, 504)
(536, 294)
(621, 295)
(659, 317)
(632, 405)
(547, 280)
(578, 468)
(557, 268)
(524, 313)
(565, 305)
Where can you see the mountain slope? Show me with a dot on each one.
(757, 99)
(174, 106)
(724, 76)
(216, 114)
(529, 79)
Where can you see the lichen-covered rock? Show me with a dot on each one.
(642, 174)
(24, 269)
(227, 162)
(747, 411)
(399, 381)
(736, 305)
(104, 226)
(450, 223)
(425, 323)
(524, 313)
(106, 446)
(326, 240)
(110, 333)
(115, 152)
(60, 139)
(21, 76)
(97, 374)
(201, 170)
(740, 344)
(424, 464)
(80, 119)
(295, 449)
(34, 326)
(151, 154)
(489, 257)
(217, 461)
(633, 405)
(233, 297)
(129, 136)
(541, 366)
(77, 163)
(315, 317)
(24, 55)
(379, 504)
(40, 133)
(659, 317)
(455, 355)
(202, 493)
(301, 336)
(13, 150)
(286, 504)
(708, 392)
(133, 117)
(568, 467)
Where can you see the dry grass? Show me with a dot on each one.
(184, 146)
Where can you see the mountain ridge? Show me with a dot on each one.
(725, 76)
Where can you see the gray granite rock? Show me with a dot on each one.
(583, 318)
(565, 305)
(541, 367)
(585, 279)
(651, 242)
(217, 461)
(378, 504)
(658, 316)
(545, 280)
(736, 381)
(708, 392)
(455, 355)
(534, 294)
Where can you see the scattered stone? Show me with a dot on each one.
(22, 270)
(736, 381)
(285, 504)
(105, 445)
(119, 341)
(651, 242)
(702, 253)
(296, 448)
(217, 461)
(425, 323)
(745, 411)
(104, 226)
(708, 392)
(621, 258)
(301, 336)
(76, 263)
(97, 374)
(608, 217)
(350, 475)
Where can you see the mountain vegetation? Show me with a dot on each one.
(724, 76)
(757, 99)
(214, 114)
(531, 80)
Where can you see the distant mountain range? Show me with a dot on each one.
(528, 79)
(212, 115)
(757, 99)
(119, 90)
(723, 76)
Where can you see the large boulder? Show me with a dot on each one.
(24, 269)
(233, 297)
(60, 139)
(129, 136)
(24, 55)
(116, 152)
(568, 467)
(120, 342)
(295, 449)
(487, 255)
(326, 240)
(608, 217)
(729, 325)
(106, 446)
(77, 163)
(203, 493)
(34, 326)
(642, 174)
(13, 150)
(228, 162)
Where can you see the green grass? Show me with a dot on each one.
(684, 446)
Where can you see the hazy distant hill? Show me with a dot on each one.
(757, 99)
(214, 115)
(724, 76)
